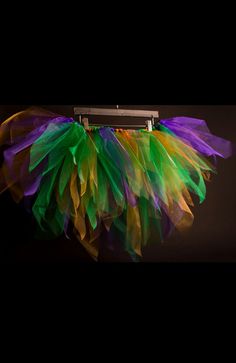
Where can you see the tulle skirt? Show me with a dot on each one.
(103, 178)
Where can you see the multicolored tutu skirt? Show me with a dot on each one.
(104, 178)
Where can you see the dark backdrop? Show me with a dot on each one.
(211, 238)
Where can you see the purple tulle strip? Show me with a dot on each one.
(21, 133)
(195, 133)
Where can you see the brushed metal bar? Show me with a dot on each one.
(115, 112)
(118, 126)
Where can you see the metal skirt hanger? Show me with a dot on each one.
(84, 112)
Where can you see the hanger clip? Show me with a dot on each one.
(149, 125)
(85, 122)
